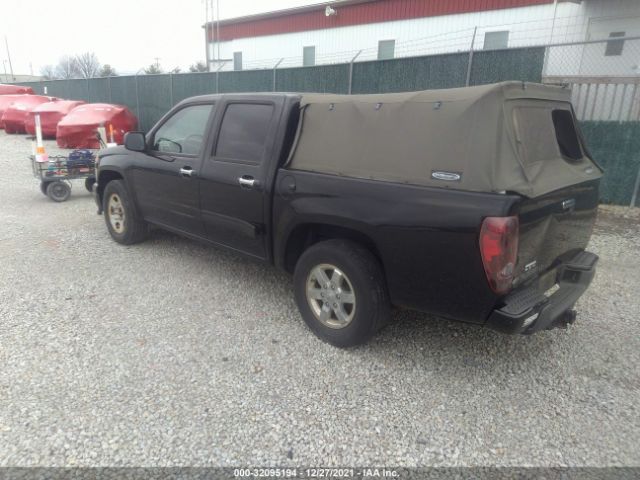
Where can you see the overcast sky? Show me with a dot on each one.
(127, 34)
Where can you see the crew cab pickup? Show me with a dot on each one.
(474, 204)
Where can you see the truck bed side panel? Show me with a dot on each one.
(426, 238)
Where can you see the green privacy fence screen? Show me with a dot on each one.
(150, 96)
(514, 64)
(406, 74)
(322, 79)
(124, 92)
(614, 145)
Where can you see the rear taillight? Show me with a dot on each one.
(499, 250)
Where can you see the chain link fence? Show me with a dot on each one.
(604, 76)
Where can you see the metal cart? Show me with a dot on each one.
(56, 174)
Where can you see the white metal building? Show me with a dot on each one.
(336, 32)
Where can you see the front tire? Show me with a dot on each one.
(119, 215)
(341, 292)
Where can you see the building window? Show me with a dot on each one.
(386, 49)
(496, 40)
(615, 47)
(308, 56)
(237, 60)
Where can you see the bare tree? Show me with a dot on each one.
(88, 64)
(176, 70)
(48, 72)
(67, 68)
(108, 71)
(198, 67)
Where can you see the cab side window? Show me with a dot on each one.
(243, 133)
(183, 133)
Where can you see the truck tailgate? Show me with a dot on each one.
(553, 228)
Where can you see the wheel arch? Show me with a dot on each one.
(104, 177)
(109, 174)
(305, 235)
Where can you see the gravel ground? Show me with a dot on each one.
(171, 353)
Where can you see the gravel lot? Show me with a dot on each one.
(172, 353)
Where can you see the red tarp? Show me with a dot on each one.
(78, 128)
(16, 112)
(14, 89)
(5, 101)
(50, 115)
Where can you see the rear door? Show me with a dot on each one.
(165, 176)
(233, 195)
(557, 225)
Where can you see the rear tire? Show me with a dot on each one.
(58, 191)
(120, 216)
(341, 292)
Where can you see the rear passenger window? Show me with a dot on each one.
(243, 134)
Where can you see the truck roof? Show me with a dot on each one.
(217, 96)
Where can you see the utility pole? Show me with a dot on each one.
(206, 35)
(218, 27)
(157, 59)
(6, 43)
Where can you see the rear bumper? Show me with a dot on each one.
(529, 310)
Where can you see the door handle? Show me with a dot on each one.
(247, 181)
(187, 172)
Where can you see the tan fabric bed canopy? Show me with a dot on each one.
(464, 138)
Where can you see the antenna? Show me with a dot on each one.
(329, 12)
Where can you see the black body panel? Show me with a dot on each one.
(536, 307)
(426, 238)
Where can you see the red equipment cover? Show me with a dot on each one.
(14, 89)
(5, 101)
(50, 115)
(16, 112)
(78, 128)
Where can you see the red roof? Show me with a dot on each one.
(353, 12)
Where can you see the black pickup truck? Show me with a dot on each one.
(474, 204)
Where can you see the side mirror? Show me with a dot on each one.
(135, 141)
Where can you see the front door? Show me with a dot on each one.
(165, 177)
(233, 199)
